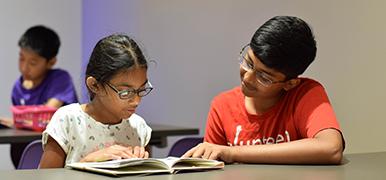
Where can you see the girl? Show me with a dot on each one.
(107, 127)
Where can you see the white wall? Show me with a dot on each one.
(196, 44)
(16, 17)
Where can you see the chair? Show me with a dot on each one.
(181, 146)
(30, 158)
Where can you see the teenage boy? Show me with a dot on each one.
(274, 116)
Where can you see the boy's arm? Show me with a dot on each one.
(325, 148)
(6, 121)
(61, 93)
(55, 103)
(53, 155)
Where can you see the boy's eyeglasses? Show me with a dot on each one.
(130, 93)
(247, 64)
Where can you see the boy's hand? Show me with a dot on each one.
(6, 121)
(116, 152)
(210, 151)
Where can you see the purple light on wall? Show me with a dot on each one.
(101, 18)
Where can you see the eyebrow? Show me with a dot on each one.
(261, 70)
(268, 73)
(32, 59)
(129, 86)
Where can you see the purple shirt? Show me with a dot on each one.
(57, 84)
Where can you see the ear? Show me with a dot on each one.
(291, 84)
(92, 84)
(51, 62)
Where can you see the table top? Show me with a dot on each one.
(159, 134)
(355, 166)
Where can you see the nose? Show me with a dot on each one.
(135, 100)
(249, 76)
(24, 68)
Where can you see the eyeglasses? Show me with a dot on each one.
(247, 64)
(130, 93)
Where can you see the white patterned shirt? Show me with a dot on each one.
(79, 134)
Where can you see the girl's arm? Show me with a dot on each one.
(148, 149)
(53, 155)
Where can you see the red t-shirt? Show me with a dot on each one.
(301, 113)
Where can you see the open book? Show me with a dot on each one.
(147, 166)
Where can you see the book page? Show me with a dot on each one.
(139, 169)
(112, 163)
(119, 163)
(197, 163)
(170, 161)
(192, 163)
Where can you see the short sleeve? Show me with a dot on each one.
(214, 132)
(315, 113)
(15, 95)
(62, 88)
(58, 129)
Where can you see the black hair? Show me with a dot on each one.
(285, 44)
(112, 55)
(42, 40)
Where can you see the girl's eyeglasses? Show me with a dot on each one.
(130, 93)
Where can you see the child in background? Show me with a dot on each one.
(39, 84)
(274, 116)
(107, 127)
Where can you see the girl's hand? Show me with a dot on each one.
(116, 152)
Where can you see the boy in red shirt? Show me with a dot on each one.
(274, 116)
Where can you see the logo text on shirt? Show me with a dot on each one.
(280, 138)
